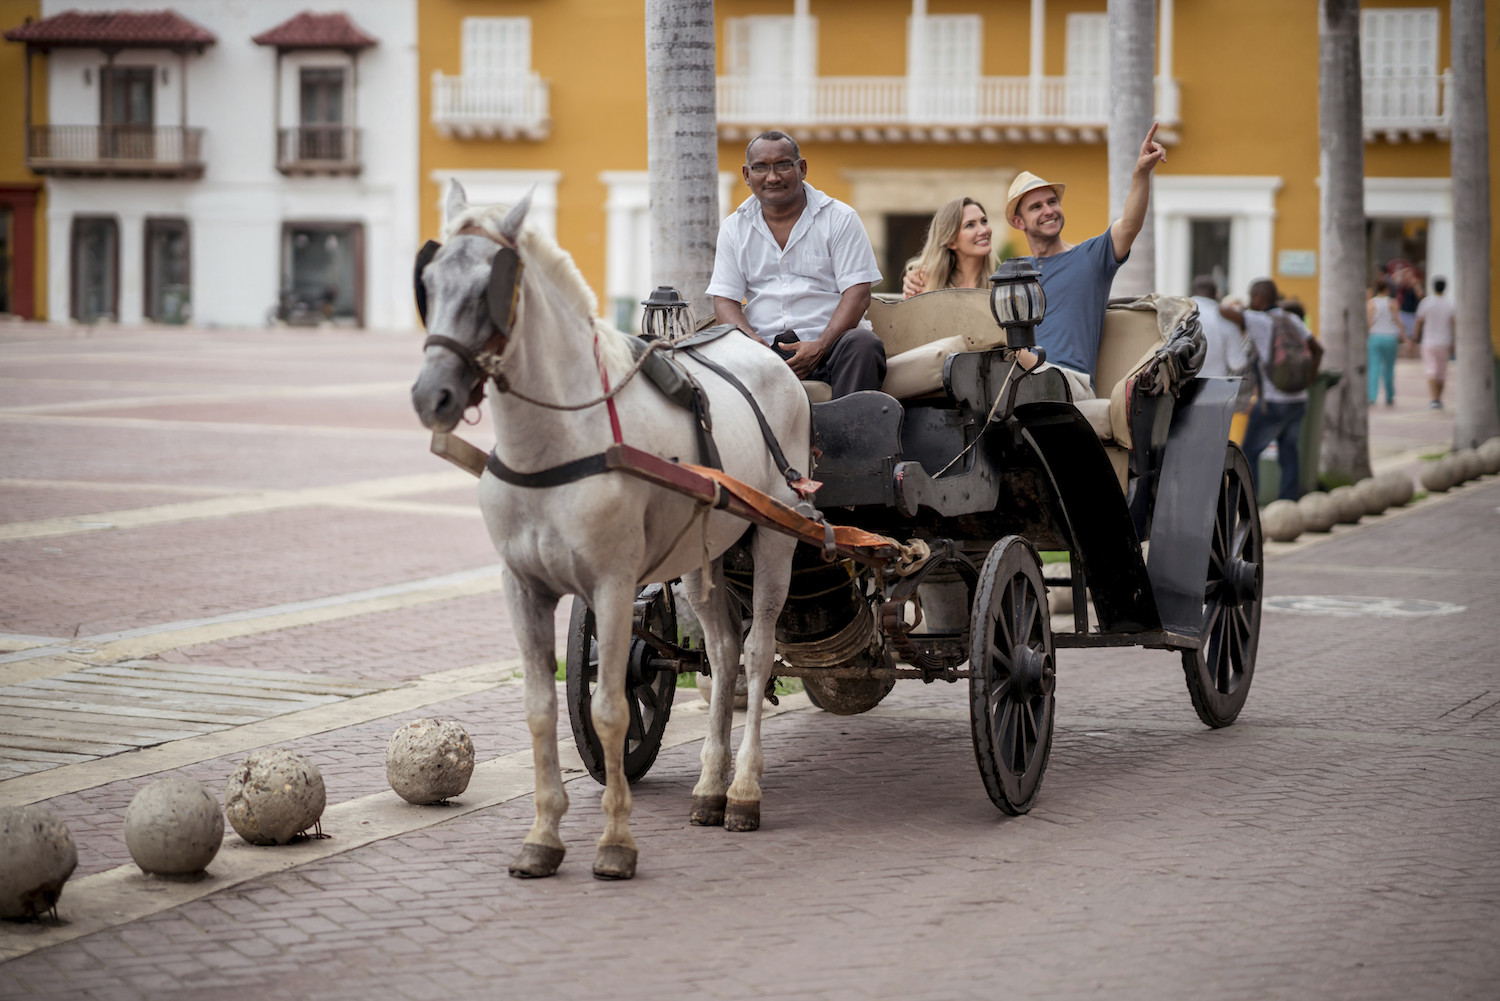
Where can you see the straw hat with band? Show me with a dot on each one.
(1027, 181)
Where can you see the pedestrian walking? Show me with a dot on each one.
(1385, 337)
(1434, 331)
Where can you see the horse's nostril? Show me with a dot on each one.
(445, 397)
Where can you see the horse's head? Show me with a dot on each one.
(468, 292)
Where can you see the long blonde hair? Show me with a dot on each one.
(938, 264)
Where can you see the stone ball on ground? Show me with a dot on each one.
(1398, 487)
(1282, 520)
(1060, 600)
(273, 796)
(1470, 466)
(1348, 506)
(1318, 512)
(1373, 495)
(741, 690)
(1490, 453)
(174, 827)
(37, 858)
(1437, 476)
(428, 760)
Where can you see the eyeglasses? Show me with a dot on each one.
(780, 166)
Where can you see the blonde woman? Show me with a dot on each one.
(959, 251)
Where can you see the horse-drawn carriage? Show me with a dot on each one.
(988, 465)
(921, 559)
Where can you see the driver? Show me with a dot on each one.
(802, 265)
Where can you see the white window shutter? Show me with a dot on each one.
(497, 46)
(1087, 68)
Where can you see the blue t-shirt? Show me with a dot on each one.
(1077, 285)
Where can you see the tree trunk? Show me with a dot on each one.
(682, 152)
(1474, 416)
(1341, 280)
(1132, 108)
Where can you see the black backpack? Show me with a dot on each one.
(1292, 363)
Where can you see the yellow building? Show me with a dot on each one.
(902, 104)
(23, 284)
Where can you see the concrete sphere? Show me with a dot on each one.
(174, 827)
(1318, 512)
(1470, 465)
(1060, 600)
(428, 761)
(37, 858)
(1348, 507)
(1437, 476)
(1373, 494)
(1398, 487)
(1490, 453)
(273, 796)
(1282, 520)
(741, 690)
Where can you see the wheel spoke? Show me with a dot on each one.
(1002, 621)
(1000, 658)
(637, 729)
(999, 692)
(1027, 617)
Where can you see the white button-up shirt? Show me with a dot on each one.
(797, 287)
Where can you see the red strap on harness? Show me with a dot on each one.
(614, 416)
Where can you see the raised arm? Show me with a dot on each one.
(1124, 230)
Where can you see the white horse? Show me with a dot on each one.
(604, 535)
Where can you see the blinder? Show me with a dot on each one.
(504, 289)
(424, 257)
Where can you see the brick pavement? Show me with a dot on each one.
(1337, 842)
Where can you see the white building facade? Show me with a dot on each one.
(231, 164)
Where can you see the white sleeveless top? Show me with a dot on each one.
(1385, 321)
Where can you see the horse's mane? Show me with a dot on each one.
(541, 252)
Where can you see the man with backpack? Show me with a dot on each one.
(1289, 359)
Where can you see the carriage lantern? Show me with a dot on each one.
(666, 311)
(1017, 301)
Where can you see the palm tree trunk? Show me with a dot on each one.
(1474, 416)
(1132, 104)
(1341, 279)
(682, 151)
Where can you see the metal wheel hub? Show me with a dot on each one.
(1241, 581)
(1031, 674)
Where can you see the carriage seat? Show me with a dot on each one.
(921, 332)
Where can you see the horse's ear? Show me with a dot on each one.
(457, 201)
(424, 258)
(510, 227)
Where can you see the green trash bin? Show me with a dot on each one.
(1309, 443)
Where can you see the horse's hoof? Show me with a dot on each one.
(615, 862)
(536, 861)
(708, 811)
(742, 815)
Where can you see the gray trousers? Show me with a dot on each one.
(856, 362)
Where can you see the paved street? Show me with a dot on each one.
(218, 541)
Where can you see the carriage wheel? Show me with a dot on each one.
(1012, 675)
(846, 696)
(1219, 672)
(648, 691)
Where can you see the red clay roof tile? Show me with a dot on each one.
(126, 29)
(316, 31)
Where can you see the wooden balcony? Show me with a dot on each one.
(318, 149)
(1409, 107)
(498, 106)
(896, 109)
(166, 151)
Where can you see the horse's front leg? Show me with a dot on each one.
(614, 604)
(531, 616)
(773, 570)
(721, 641)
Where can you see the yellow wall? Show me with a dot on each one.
(13, 14)
(1248, 74)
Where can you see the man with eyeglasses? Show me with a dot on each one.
(802, 265)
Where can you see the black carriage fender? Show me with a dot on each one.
(1183, 521)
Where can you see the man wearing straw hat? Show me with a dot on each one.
(1077, 277)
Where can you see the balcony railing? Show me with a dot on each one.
(1411, 106)
(115, 150)
(505, 106)
(988, 109)
(318, 149)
